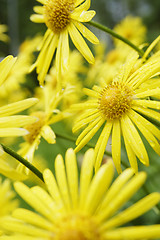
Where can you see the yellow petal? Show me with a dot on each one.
(101, 144)
(98, 187)
(116, 145)
(48, 134)
(6, 66)
(16, 121)
(62, 180)
(32, 218)
(72, 176)
(139, 232)
(8, 132)
(16, 107)
(86, 33)
(83, 16)
(133, 212)
(80, 43)
(123, 196)
(37, 18)
(86, 176)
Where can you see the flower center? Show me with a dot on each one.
(115, 100)
(77, 227)
(57, 14)
(35, 128)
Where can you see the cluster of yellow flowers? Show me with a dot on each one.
(114, 97)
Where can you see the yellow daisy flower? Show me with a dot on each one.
(46, 116)
(3, 36)
(62, 18)
(85, 210)
(120, 106)
(9, 124)
(132, 29)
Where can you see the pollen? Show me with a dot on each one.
(115, 100)
(77, 227)
(57, 14)
(35, 128)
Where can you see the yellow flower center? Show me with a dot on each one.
(35, 128)
(76, 227)
(57, 14)
(115, 100)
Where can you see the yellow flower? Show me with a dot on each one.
(120, 106)
(70, 80)
(132, 29)
(3, 35)
(87, 210)
(63, 18)
(12, 90)
(47, 114)
(9, 124)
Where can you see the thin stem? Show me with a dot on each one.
(116, 35)
(73, 139)
(23, 161)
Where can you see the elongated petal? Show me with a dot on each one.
(38, 9)
(72, 176)
(148, 112)
(134, 140)
(48, 53)
(80, 43)
(136, 210)
(98, 186)
(86, 33)
(8, 132)
(48, 134)
(32, 199)
(88, 133)
(101, 144)
(116, 145)
(26, 229)
(147, 103)
(146, 132)
(83, 16)
(16, 121)
(37, 18)
(5, 67)
(84, 6)
(130, 153)
(86, 176)
(123, 196)
(65, 52)
(52, 187)
(32, 218)
(16, 107)
(62, 180)
(139, 232)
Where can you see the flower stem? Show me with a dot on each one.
(23, 161)
(73, 139)
(116, 35)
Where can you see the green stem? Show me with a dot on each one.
(23, 161)
(116, 35)
(73, 139)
